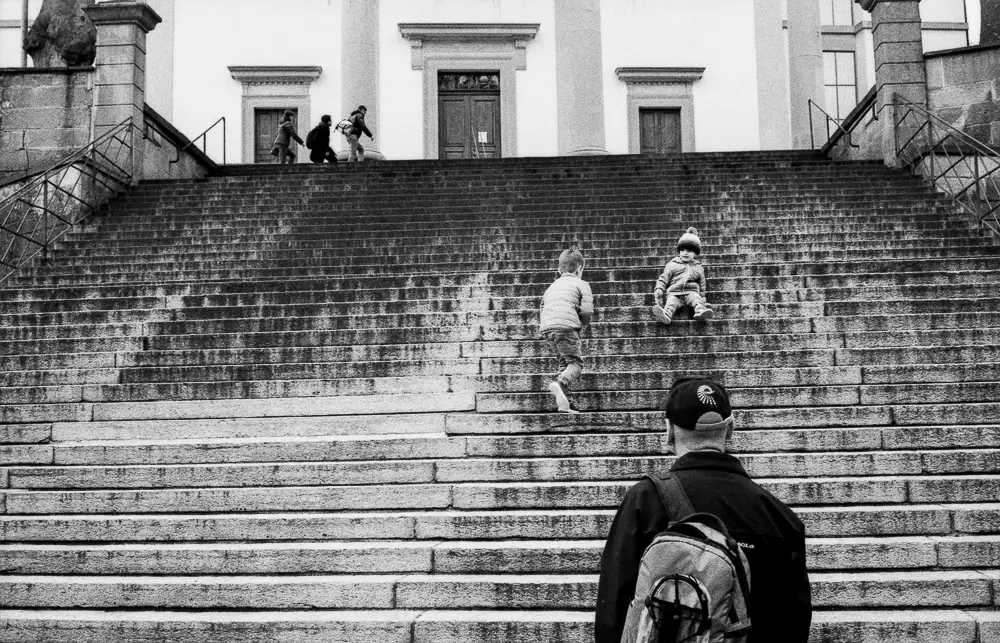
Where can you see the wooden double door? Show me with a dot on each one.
(468, 115)
(660, 131)
(265, 129)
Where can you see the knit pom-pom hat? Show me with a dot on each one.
(690, 241)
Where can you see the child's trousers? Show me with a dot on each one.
(566, 345)
(675, 301)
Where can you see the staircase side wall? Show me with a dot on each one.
(964, 89)
(45, 114)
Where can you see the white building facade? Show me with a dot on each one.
(466, 78)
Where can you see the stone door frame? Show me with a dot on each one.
(660, 88)
(437, 47)
(273, 88)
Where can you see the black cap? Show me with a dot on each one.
(326, 118)
(697, 402)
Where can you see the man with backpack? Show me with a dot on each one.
(318, 142)
(742, 552)
(357, 120)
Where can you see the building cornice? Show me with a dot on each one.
(469, 31)
(659, 75)
(115, 13)
(275, 75)
(514, 34)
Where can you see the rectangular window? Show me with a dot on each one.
(841, 85)
(835, 12)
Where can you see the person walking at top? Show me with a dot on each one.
(567, 307)
(358, 128)
(284, 141)
(318, 142)
(699, 422)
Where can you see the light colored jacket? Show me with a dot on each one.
(681, 277)
(567, 304)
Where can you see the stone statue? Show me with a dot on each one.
(62, 35)
(990, 21)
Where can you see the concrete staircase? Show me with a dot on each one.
(308, 404)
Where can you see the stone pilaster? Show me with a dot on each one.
(805, 73)
(899, 66)
(772, 74)
(579, 77)
(120, 79)
(359, 66)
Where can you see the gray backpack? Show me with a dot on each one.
(694, 582)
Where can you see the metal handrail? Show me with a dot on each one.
(47, 206)
(829, 119)
(204, 141)
(954, 161)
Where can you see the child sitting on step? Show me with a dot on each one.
(567, 307)
(682, 282)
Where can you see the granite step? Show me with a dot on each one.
(436, 626)
(453, 557)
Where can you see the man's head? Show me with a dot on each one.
(362, 109)
(326, 119)
(699, 416)
(571, 262)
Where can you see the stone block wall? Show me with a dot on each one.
(45, 115)
(964, 90)
(162, 143)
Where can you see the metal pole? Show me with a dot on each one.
(45, 217)
(975, 178)
(24, 32)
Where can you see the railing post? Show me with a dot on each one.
(45, 218)
(931, 149)
(975, 177)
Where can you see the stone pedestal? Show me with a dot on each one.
(899, 67)
(805, 73)
(359, 68)
(120, 81)
(579, 77)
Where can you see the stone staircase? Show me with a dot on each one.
(308, 404)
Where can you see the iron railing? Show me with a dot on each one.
(955, 162)
(204, 141)
(49, 204)
(843, 129)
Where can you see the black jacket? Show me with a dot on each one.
(357, 119)
(772, 538)
(321, 140)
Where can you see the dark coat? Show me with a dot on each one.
(772, 538)
(357, 119)
(321, 150)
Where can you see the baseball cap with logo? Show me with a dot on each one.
(697, 403)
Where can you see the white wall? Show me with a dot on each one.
(401, 90)
(211, 35)
(715, 34)
(10, 37)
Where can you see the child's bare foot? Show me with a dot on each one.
(660, 315)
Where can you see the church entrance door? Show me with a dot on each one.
(468, 115)
(265, 129)
(659, 131)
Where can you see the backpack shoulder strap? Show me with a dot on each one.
(673, 496)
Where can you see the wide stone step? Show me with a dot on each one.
(453, 557)
(818, 287)
(859, 520)
(435, 626)
(454, 591)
